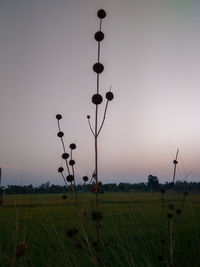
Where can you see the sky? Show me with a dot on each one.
(151, 59)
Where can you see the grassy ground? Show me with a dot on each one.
(134, 230)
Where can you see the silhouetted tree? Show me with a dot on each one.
(153, 182)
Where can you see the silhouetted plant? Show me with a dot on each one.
(85, 179)
(97, 99)
(69, 161)
(174, 213)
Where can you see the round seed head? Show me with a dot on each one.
(98, 68)
(97, 99)
(101, 13)
(85, 178)
(60, 169)
(109, 96)
(64, 197)
(70, 178)
(72, 162)
(96, 215)
(60, 134)
(21, 249)
(70, 233)
(65, 155)
(88, 117)
(72, 146)
(162, 191)
(99, 36)
(58, 117)
(169, 216)
(175, 162)
(178, 211)
(95, 244)
(162, 241)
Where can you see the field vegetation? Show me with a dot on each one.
(47, 230)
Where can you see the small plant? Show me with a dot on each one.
(172, 214)
(69, 161)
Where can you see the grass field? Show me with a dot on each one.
(134, 230)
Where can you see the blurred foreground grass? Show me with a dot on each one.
(131, 231)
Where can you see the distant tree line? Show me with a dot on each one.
(152, 185)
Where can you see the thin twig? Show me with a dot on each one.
(64, 178)
(174, 174)
(90, 126)
(104, 117)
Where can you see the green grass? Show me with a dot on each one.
(131, 230)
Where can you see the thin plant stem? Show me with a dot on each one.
(64, 179)
(104, 117)
(74, 183)
(163, 204)
(174, 173)
(90, 127)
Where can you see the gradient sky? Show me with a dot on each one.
(151, 55)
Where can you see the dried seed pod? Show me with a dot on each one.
(162, 241)
(98, 68)
(70, 178)
(65, 155)
(21, 249)
(85, 178)
(72, 146)
(72, 162)
(58, 117)
(101, 13)
(60, 134)
(70, 233)
(96, 215)
(88, 117)
(169, 216)
(99, 36)
(175, 162)
(60, 169)
(109, 96)
(97, 99)
(178, 211)
(95, 244)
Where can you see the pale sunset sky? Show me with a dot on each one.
(151, 57)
